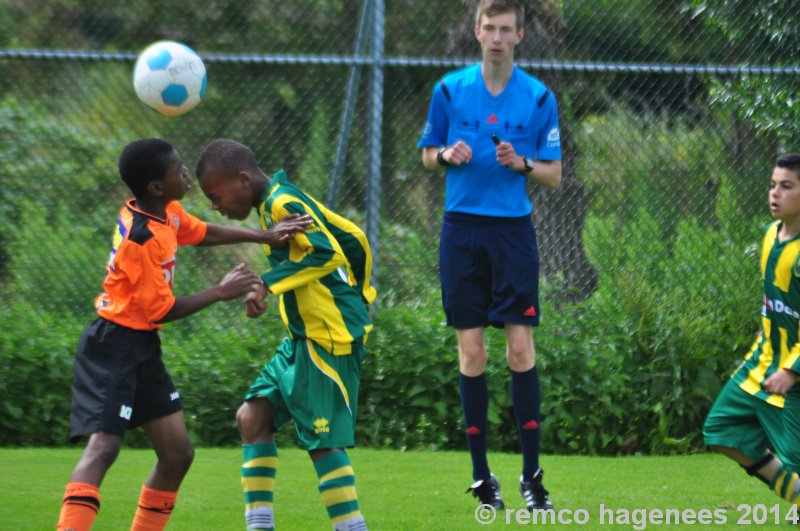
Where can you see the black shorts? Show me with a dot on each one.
(489, 270)
(120, 381)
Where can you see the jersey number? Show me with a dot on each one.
(168, 268)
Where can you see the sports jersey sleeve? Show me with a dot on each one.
(312, 254)
(191, 230)
(436, 127)
(356, 249)
(150, 290)
(548, 143)
(792, 361)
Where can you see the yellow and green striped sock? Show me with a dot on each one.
(786, 484)
(258, 480)
(337, 485)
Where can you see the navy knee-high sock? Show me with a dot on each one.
(526, 400)
(475, 402)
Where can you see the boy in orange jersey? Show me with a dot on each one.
(120, 381)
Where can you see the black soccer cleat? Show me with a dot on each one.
(488, 492)
(536, 497)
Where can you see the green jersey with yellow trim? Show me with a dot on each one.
(778, 343)
(322, 277)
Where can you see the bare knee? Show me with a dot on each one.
(472, 359)
(255, 421)
(520, 351)
(100, 453)
(102, 450)
(244, 418)
(473, 354)
(174, 462)
(183, 457)
(520, 358)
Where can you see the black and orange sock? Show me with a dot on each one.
(79, 507)
(155, 508)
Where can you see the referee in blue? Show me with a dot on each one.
(492, 127)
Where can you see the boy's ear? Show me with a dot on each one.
(155, 189)
(245, 179)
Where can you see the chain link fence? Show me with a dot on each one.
(672, 114)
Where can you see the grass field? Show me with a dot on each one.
(406, 491)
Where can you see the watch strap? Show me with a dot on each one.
(440, 157)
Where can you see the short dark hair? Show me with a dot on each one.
(790, 161)
(492, 8)
(144, 161)
(225, 154)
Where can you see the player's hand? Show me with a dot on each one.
(507, 156)
(280, 233)
(239, 281)
(255, 303)
(780, 382)
(458, 154)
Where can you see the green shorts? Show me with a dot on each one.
(315, 389)
(747, 423)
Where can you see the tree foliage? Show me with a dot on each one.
(765, 33)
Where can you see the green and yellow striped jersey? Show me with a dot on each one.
(776, 346)
(322, 276)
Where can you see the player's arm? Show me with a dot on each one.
(147, 271)
(314, 254)
(356, 249)
(318, 259)
(276, 235)
(237, 283)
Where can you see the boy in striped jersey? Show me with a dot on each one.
(322, 279)
(758, 411)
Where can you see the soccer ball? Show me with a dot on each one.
(169, 77)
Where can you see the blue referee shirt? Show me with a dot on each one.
(525, 114)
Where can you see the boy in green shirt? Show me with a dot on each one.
(758, 410)
(322, 279)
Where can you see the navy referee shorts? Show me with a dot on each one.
(489, 271)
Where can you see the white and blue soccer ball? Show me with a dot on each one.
(170, 77)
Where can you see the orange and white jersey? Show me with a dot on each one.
(137, 290)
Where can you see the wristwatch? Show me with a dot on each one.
(528, 166)
(440, 157)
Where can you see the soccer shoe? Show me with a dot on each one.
(536, 497)
(488, 492)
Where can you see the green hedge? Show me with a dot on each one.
(634, 368)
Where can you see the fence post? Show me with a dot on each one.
(373, 198)
(349, 106)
